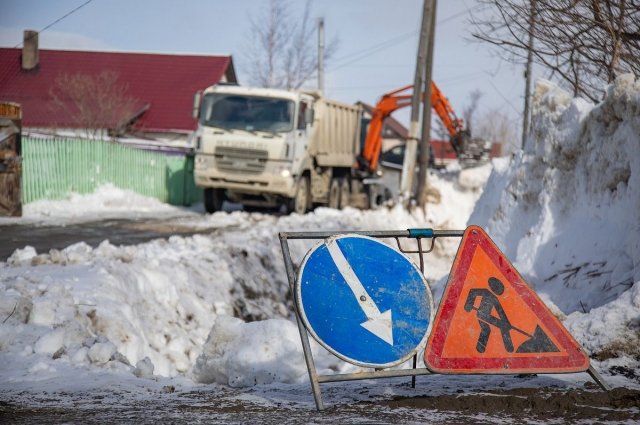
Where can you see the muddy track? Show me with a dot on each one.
(544, 405)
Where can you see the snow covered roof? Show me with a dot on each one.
(163, 83)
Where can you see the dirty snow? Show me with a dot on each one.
(112, 307)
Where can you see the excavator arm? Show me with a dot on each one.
(388, 103)
(401, 98)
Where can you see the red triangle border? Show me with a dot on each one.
(474, 237)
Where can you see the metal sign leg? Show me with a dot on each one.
(596, 377)
(304, 336)
(308, 357)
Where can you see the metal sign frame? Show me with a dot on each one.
(411, 234)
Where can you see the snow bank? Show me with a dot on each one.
(567, 209)
(107, 201)
(243, 354)
(160, 308)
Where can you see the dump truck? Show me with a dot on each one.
(267, 147)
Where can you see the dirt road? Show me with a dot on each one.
(118, 231)
(244, 406)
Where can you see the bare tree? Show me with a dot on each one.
(584, 43)
(497, 127)
(441, 132)
(469, 112)
(282, 50)
(94, 102)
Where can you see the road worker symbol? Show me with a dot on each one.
(491, 315)
(491, 321)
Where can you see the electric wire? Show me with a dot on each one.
(368, 51)
(58, 20)
(9, 73)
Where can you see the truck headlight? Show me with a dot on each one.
(285, 173)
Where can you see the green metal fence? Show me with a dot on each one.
(54, 168)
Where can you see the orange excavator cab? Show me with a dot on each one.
(401, 98)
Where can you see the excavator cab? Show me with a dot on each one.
(393, 158)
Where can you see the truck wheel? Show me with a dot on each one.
(301, 200)
(213, 199)
(334, 194)
(345, 193)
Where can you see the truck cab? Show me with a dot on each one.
(251, 144)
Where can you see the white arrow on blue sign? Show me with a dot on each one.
(364, 301)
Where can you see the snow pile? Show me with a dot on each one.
(161, 308)
(243, 354)
(107, 201)
(567, 210)
(156, 300)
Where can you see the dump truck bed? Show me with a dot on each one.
(336, 142)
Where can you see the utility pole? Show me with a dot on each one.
(321, 55)
(409, 164)
(527, 74)
(421, 193)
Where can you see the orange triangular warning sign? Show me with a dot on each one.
(490, 321)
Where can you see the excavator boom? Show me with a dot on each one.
(401, 98)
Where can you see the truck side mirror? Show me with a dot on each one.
(196, 104)
(309, 116)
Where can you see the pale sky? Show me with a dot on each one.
(377, 41)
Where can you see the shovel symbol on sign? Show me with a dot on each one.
(539, 342)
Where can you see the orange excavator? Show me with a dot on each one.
(460, 138)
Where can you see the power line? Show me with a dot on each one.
(58, 20)
(368, 51)
(505, 99)
(454, 16)
(353, 57)
(443, 80)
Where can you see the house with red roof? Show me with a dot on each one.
(393, 132)
(148, 95)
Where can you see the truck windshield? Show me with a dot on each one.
(250, 113)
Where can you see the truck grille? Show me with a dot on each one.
(240, 161)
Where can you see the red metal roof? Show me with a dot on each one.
(442, 150)
(391, 124)
(165, 82)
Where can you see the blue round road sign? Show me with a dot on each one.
(364, 301)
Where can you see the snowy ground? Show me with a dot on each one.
(209, 318)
